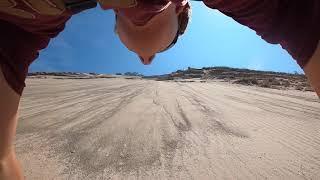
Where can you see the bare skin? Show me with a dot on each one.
(9, 166)
(144, 43)
(312, 70)
(152, 37)
(139, 39)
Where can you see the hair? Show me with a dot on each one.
(183, 21)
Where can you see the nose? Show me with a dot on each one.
(146, 60)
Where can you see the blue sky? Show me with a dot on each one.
(88, 44)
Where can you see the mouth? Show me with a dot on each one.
(142, 18)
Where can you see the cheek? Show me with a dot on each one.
(154, 38)
(168, 34)
(124, 38)
(125, 34)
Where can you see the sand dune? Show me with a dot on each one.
(144, 129)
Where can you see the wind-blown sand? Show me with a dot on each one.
(145, 129)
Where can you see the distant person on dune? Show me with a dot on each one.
(145, 27)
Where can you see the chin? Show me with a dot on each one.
(148, 61)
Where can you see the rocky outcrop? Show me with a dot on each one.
(266, 79)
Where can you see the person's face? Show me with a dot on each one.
(151, 37)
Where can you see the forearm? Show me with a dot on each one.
(9, 166)
(312, 70)
(8, 116)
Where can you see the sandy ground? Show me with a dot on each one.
(140, 129)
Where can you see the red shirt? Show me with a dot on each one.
(146, 10)
(294, 24)
(24, 31)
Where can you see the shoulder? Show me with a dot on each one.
(30, 9)
(292, 24)
(35, 16)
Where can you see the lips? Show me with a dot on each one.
(140, 18)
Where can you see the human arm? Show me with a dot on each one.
(18, 49)
(9, 166)
(312, 70)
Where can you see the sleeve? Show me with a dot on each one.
(18, 49)
(295, 25)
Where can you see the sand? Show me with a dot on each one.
(145, 129)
